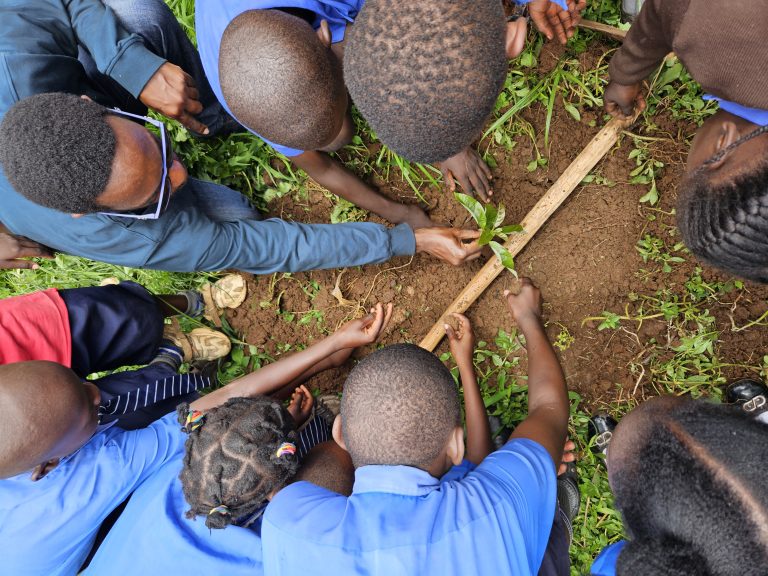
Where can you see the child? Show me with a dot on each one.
(426, 75)
(722, 207)
(106, 327)
(276, 67)
(689, 479)
(401, 423)
(47, 526)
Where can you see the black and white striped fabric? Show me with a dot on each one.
(149, 394)
(313, 433)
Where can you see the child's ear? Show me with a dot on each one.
(324, 33)
(727, 134)
(338, 436)
(455, 448)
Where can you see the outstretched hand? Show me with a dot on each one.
(453, 245)
(365, 330)
(551, 20)
(622, 100)
(14, 247)
(300, 406)
(526, 304)
(461, 341)
(472, 173)
(172, 92)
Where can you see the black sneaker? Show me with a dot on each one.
(601, 427)
(749, 393)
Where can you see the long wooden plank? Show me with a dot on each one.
(534, 220)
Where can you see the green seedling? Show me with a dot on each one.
(490, 219)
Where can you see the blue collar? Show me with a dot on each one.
(754, 115)
(404, 480)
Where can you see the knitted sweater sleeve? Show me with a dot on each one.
(649, 40)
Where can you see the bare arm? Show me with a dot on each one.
(548, 410)
(286, 370)
(330, 174)
(462, 344)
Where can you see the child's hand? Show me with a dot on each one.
(365, 330)
(621, 101)
(300, 406)
(461, 341)
(526, 304)
(470, 170)
(551, 20)
(14, 247)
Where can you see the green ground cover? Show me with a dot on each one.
(692, 364)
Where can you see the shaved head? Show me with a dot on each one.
(400, 406)
(48, 413)
(281, 81)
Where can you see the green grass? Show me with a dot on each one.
(684, 355)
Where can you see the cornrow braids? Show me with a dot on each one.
(231, 461)
(726, 224)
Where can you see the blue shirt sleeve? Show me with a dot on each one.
(186, 239)
(117, 53)
(561, 3)
(605, 563)
(522, 473)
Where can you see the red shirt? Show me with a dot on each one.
(35, 327)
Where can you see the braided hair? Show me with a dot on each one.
(231, 462)
(726, 224)
(691, 488)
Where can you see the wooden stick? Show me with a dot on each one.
(534, 220)
(612, 31)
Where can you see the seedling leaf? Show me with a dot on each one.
(503, 255)
(473, 206)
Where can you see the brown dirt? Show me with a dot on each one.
(583, 259)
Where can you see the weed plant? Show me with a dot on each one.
(684, 355)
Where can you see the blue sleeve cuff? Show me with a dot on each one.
(560, 3)
(134, 66)
(402, 240)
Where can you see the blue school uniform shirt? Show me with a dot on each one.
(213, 16)
(494, 520)
(605, 563)
(152, 537)
(48, 527)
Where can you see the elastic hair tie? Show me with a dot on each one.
(286, 448)
(223, 510)
(195, 419)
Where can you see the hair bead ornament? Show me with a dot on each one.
(195, 419)
(223, 510)
(286, 448)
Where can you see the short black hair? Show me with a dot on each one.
(279, 80)
(426, 74)
(231, 460)
(726, 224)
(399, 407)
(693, 493)
(57, 151)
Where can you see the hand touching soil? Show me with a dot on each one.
(450, 244)
(472, 173)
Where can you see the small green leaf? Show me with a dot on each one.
(573, 111)
(510, 228)
(532, 165)
(502, 213)
(485, 237)
(473, 207)
(503, 255)
(490, 216)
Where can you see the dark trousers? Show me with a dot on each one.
(556, 560)
(162, 34)
(112, 326)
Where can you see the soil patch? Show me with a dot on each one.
(584, 260)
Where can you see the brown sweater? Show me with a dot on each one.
(724, 46)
